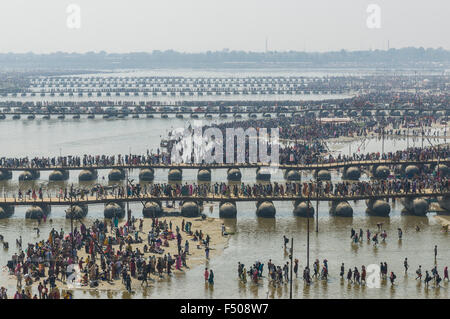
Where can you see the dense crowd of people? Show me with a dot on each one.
(87, 160)
(103, 253)
(294, 189)
(304, 153)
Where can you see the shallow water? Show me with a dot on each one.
(254, 238)
(261, 239)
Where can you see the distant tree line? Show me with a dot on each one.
(405, 57)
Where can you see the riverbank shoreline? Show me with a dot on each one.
(444, 220)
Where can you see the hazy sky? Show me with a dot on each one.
(200, 25)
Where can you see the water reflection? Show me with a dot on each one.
(266, 224)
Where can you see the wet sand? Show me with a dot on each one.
(443, 219)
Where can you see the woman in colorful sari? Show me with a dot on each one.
(211, 277)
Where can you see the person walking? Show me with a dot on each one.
(405, 264)
(427, 278)
(342, 273)
(363, 274)
(286, 241)
(206, 275)
(307, 275)
(419, 273)
(438, 280)
(128, 283)
(211, 277)
(349, 275)
(295, 267)
(144, 276)
(392, 278)
(19, 278)
(186, 247)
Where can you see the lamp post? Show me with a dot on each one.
(317, 207)
(291, 257)
(423, 133)
(71, 229)
(126, 190)
(71, 225)
(407, 134)
(307, 226)
(438, 159)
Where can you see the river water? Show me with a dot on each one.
(254, 238)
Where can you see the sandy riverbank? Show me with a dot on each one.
(443, 219)
(210, 226)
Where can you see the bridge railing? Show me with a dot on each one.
(217, 197)
(334, 164)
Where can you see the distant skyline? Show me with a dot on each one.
(211, 25)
